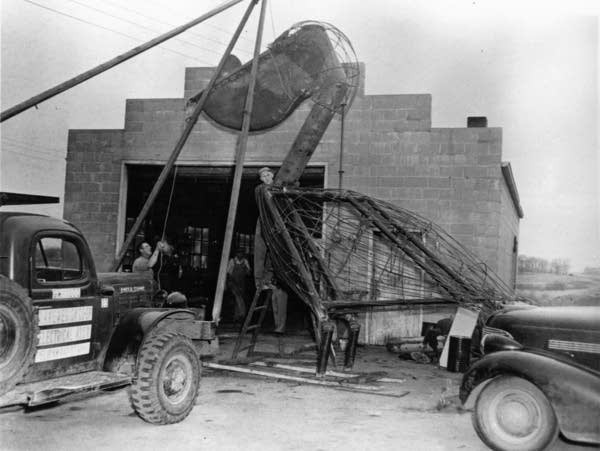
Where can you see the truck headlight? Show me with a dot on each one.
(496, 342)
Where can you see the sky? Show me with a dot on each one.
(530, 67)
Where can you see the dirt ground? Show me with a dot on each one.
(420, 411)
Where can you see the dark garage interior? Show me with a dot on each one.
(190, 213)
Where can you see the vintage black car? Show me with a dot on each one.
(539, 375)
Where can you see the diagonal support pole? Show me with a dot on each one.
(240, 155)
(191, 122)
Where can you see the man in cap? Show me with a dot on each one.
(266, 175)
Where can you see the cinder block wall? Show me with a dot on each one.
(451, 176)
(92, 189)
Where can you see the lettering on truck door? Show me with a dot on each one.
(63, 288)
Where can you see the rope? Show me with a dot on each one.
(162, 236)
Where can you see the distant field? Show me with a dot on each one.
(555, 289)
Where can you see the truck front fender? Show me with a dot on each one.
(572, 389)
(135, 325)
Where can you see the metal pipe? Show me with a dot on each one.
(327, 328)
(239, 169)
(341, 169)
(350, 353)
(191, 122)
(19, 108)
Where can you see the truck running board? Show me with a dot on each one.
(43, 392)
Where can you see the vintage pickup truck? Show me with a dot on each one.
(540, 375)
(66, 329)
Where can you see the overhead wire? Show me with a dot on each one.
(115, 31)
(32, 150)
(272, 20)
(215, 27)
(154, 19)
(132, 22)
(34, 157)
(48, 150)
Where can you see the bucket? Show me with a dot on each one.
(459, 354)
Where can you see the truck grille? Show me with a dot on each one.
(492, 330)
(574, 346)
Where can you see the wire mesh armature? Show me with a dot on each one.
(341, 249)
(311, 60)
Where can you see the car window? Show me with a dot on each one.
(58, 259)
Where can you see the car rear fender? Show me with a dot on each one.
(135, 325)
(573, 390)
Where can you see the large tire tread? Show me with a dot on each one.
(144, 395)
(14, 299)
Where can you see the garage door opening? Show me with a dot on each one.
(191, 212)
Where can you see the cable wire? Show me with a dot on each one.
(154, 19)
(113, 31)
(132, 22)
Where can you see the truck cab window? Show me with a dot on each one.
(58, 259)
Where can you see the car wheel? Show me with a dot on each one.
(167, 378)
(511, 413)
(18, 333)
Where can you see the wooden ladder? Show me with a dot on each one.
(253, 322)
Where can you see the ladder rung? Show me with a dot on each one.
(260, 307)
(246, 347)
(254, 326)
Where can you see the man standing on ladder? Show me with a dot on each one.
(263, 272)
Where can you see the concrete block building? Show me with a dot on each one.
(453, 176)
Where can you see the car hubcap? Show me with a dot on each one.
(517, 416)
(176, 383)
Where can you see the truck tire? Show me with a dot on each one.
(18, 333)
(511, 413)
(167, 378)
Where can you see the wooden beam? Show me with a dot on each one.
(287, 377)
(26, 199)
(240, 155)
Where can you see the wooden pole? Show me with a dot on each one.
(287, 377)
(19, 108)
(239, 169)
(191, 122)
